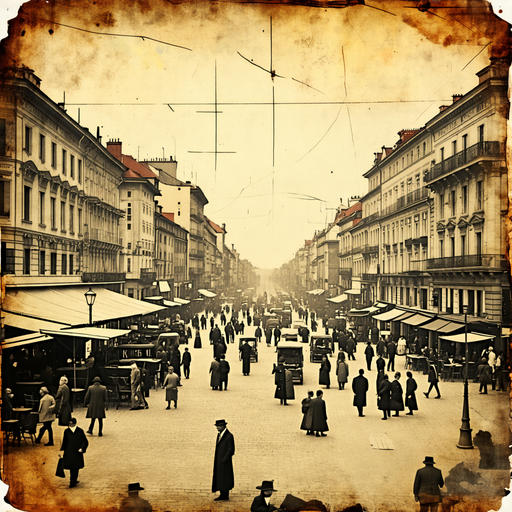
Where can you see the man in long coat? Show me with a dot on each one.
(223, 371)
(384, 392)
(427, 484)
(135, 384)
(74, 445)
(391, 355)
(351, 347)
(280, 381)
(215, 375)
(245, 354)
(223, 477)
(360, 388)
(316, 420)
(369, 353)
(96, 400)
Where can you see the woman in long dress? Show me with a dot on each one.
(215, 374)
(397, 399)
(325, 372)
(197, 340)
(410, 394)
(342, 371)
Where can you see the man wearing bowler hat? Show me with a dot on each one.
(223, 477)
(96, 400)
(427, 486)
(262, 502)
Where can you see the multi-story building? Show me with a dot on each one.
(137, 194)
(214, 254)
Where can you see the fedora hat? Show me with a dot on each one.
(267, 485)
(135, 487)
(429, 460)
(96, 379)
(219, 423)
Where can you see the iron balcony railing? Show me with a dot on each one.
(412, 197)
(469, 155)
(101, 277)
(147, 275)
(101, 235)
(494, 261)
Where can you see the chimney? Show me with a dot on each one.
(98, 136)
(456, 97)
(115, 147)
(442, 108)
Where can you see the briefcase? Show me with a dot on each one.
(60, 468)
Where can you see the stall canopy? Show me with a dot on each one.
(318, 291)
(353, 291)
(171, 304)
(339, 299)
(363, 311)
(403, 317)
(181, 301)
(389, 315)
(26, 339)
(443, 326)
(472, 337)
(163, 287)
(96, 333)
(207, 293)
(381, 305)
(416, 320)
(30, 324)
(66, 305)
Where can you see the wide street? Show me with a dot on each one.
(170, 452)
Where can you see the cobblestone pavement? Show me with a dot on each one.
(170, 452)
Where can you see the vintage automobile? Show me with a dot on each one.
(168, 339)
(320, 345)
(271, 321)
(288, 334)
(291, 351)
(179, 327)
(253, 342)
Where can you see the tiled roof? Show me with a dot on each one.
(136, 169)
(169, 216)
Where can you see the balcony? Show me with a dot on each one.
(99, 235)
(469, 155)
(196, 271)
(372, 278)
(485, 261)
(103, 277)
(345, 272)
(369, 249)
(412, 197)
(417, 266)
(147, 275)
(195, 253)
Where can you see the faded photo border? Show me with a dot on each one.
(69, 42)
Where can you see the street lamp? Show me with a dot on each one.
(90, 297)
(465, 441)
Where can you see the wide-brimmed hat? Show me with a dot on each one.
(45, 390)
(429, 460)
(220, 423)
(135, 487)
(96, 379)
(266, 485)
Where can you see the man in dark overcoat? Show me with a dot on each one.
(427, 484)
(262, 502)
(223, 477)
(369, 354)
(280, 381)
(96, 401)
(384, 392)
(316, 420)
(381, 346)
(351, 347)
(391, 355)
(223, 371)
(342, 341)
(74, 445)
(268, 336)
(381, 364)
(245, 354)
(277, 335)
(305, 335)
(360, 388)
(185, 361)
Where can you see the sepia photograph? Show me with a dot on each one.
(236, 237)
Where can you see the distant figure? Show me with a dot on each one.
(223, 477)
(351, 347)
(360, 388)
(369, 354)
(280, 381)
(316, 420)
(384, 400)
(433, 379)
(427, 484)
(245, 354)
(397, 399)
(277, 335)
(223, 371)
(74, 445)
(410, 394)
(62, 405)
(185, 361)
(171, 388)
(135, 385)
(484, 373)
(96, 401)
(305, 408)
(391, 355)
(214, 374)
(325, 372)
(258, 334)
(342, 371)
(46, 415)
(262, 502)
(381, 347)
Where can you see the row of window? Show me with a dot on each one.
(465, 144)
(67, 263)
(66, 221)
(451, 200)
(68, 162)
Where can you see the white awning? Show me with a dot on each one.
(472, 337)
(318, 291)
(153, 297)
(380, 305)
(96, 333)
(30, 324)
(416, 320)
(163, 287)
(443, 326)
(67, 305)
(207, 293)
(171, 304)
(389, 315)
(26, 339)
(353, 291)
(181, 301)
(339, 299)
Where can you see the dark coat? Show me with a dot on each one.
(62, 405)
(484, 373)
(223, 370)
(260, 505)
(369, 352)
(342, 341)
(432, 375)
(305, 408)
(176, 361)
(427, 484)
(257, 332)
(245, 353)
(186, 359)
(223, 477)
(380, 347)
(288, 384)
(410, 395)
(381, 364)
(391, 349)
(215, 375)
(96, 399)
(385, 395)
(351, 345)
(397, 399)
(325, 373)
(197, 340)
(317, 416)
(219, 349)
(71, 443)
(280, 382)
(360, 387)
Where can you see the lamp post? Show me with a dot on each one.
(90, 297)
(465, 441)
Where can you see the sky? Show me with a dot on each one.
(347, 80)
